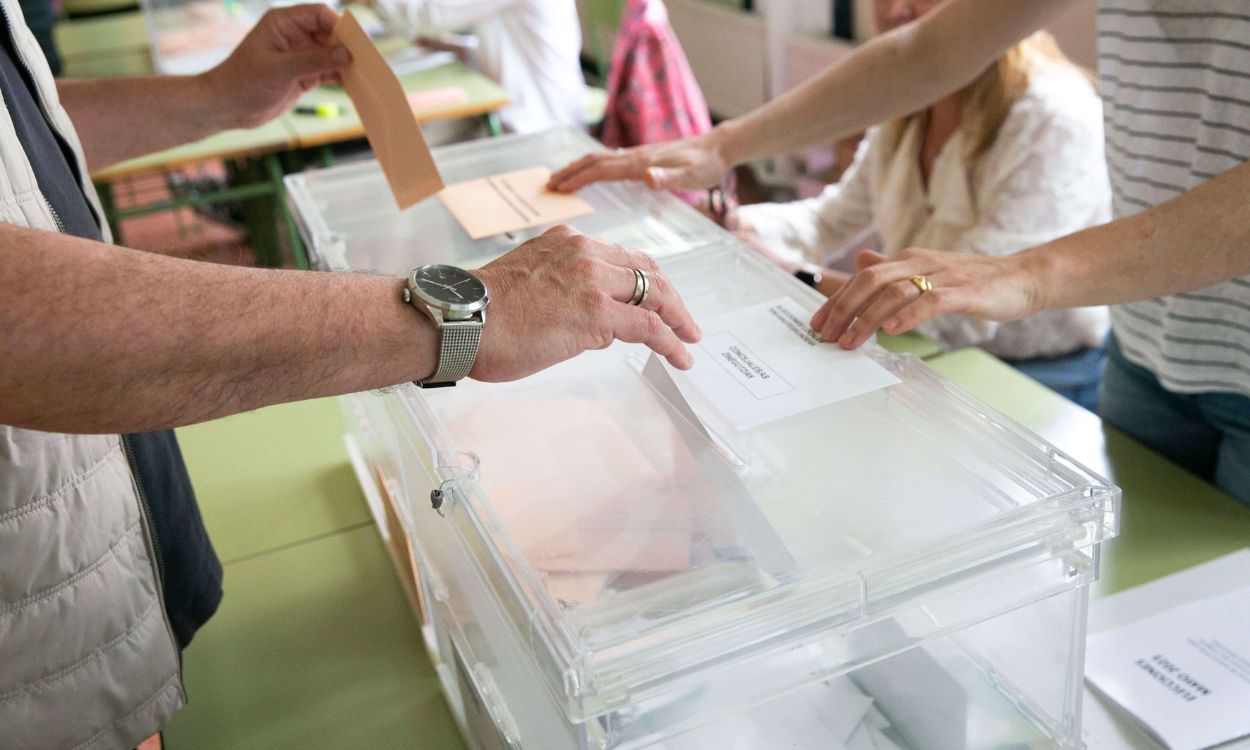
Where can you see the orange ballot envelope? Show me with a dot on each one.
(390, 126)
(516, 200)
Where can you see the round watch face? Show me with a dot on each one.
(449, 287)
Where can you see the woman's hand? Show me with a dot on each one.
(882, 295)
(689, 164)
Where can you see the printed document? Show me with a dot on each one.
(511, 201)
(763, 363)
(1183, 673)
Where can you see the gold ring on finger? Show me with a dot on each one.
(922, 283)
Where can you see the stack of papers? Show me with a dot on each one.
(1182, 673)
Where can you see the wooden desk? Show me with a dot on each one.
(92, 7)
(255, 156)
(104, 47)
(252, 157)
(85, 37)
(229, 144)
(483, 98)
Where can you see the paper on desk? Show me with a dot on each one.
(440, 97)
(762, 363)
(506, 202)
(1104, 725)
(390, 126)
(1183, 673)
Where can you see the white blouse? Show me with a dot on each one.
(1044, 176)
(530, 47)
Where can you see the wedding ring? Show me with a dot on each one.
(640, 287)
(922, 283)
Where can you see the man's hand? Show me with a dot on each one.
(882, 295)
(288, 52)
(688, 164)
(562, 293)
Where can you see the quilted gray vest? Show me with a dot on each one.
(87, 658)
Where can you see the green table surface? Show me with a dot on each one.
(272, 478)
(483, 96)
(314, 646)
(292, 130)
(85, 7)
(113, 65)
(1170, 518)
(910, 343)
(86, 37)
(272, 136)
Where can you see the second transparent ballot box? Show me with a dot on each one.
(601, 562)
(349, 219)
(192, 36)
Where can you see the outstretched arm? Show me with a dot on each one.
(98, 338)
(896, 73)
(285, 54)
(1190, 242)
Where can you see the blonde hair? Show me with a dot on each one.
(987, 100)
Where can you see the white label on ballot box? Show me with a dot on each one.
(762, 363)
(1183, 673)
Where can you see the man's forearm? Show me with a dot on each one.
(122, 118)
(287, 52)
(104, 339)
(1190, 242)
(894, 74)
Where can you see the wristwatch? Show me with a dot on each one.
(456, 301)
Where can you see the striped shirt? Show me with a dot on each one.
(1176, 96)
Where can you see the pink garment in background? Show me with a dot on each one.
(652, 95)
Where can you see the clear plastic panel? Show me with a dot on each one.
(945, 670)
(191, 36)
(624, 539)
(941, 695)
(349, 219)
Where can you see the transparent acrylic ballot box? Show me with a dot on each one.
(191, 36)
(906, 568)
(349, 219)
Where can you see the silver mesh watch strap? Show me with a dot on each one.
(458, 340)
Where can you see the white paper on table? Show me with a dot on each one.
(1184, 673)
(1104, 725)
(762, 363)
